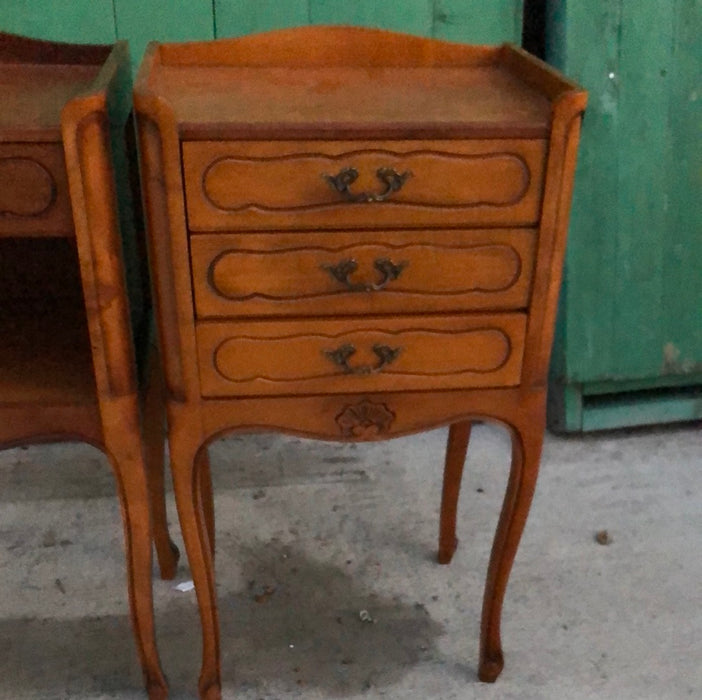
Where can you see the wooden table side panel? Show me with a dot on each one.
(553, 232)
(162, 187)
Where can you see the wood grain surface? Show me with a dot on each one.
(259, 185)
(342, 273)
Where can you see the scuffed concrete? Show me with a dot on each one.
(311, 534)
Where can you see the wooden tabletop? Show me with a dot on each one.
(350, 83)
(381, 101)
(32, 97)
(37, 78)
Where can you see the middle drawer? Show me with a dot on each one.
(337, 273)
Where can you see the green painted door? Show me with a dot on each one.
(629, 342)
(473, 21)
(89, 21)
(142, 21)
(139, 21)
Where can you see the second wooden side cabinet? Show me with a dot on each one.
(76, 357)
(355, 235)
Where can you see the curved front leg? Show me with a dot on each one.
(205, 494)
(167, 553)
(527, 439)
(130, 473)
(187, 465)
(459, 435)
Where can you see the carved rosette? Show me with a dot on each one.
(365, 420)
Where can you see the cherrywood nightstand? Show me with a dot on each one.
(355, 235)
(68, 271)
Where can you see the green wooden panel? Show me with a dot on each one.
(460, 20)
(643, 188)
(575, 408)
(478, 21)
(641, 385)
(238, 17)
(565, 408)
(587, 321)
(632, 295)
(141, 21)
(413, 16)
(623, 410)
(79, 21)
(682, 262)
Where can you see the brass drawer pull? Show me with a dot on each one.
(343, 180)
(388, 270)
(342, 355)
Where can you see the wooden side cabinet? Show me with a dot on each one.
(355, 235)
(70, 263)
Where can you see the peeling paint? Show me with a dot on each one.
(608, 103)
(672, 364)
(670, 354)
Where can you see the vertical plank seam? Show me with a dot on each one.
(114, 19)
(518, 29)
(214, 19)
(667, 330)
(620, 32)
(612, 361)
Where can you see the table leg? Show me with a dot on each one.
(154, 420)
(527, 439)
(459, 435)
(188, 487)
(205, 494)
(128, 462)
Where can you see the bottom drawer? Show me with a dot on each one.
(360, 354)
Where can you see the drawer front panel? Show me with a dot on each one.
(365, 272)
(358, 355)
(34, 197)
(255, 185)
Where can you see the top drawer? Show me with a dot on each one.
(315, 184)
(34, 198)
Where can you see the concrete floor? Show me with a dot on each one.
(310, 534)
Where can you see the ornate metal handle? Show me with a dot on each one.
(388, 270)
(343, 354)
(343, 180)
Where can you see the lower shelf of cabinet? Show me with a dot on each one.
(45, 355)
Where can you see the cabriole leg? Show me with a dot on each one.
(527, 439)
(187, 486)
(206, 495)
(154, 420)
(130, 474)
(459, 435)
